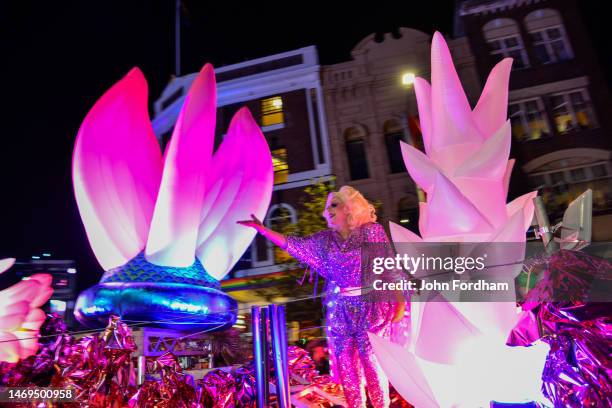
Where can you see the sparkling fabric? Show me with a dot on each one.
(349, 318)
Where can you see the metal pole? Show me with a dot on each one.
(258, 356)
(265, 334)
(282, 323)
(282, 389)
(177, 38)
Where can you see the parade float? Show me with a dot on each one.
(164, 227)
(462, 352)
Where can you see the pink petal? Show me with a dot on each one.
(463, 218)
(28, 343)
(44, 292)
(449, 158)
(403, 370)
(12, 318)
(450, 109)
(116, 171)
(492, 107)
(34, 320)
(490, 160)
(401, 234)
(486, 195)
(442, 332)
(422, 170)
(31, 290)
(246, 189)
(9, 348)
(174, 228)
(523, 203)
(6, 263)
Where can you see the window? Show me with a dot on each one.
(504, 39)
(358, 165)
(281, 168)
(355, 151)
(393, 135)
(396, 162)
(528, 120)
(572, 111)
(577, 174)
(408, 214)
(510, 47)
(550, 45)
(278, 217)
(263, 252)
(272, 111)
(560, 187)
(599, 171)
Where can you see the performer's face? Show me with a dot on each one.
(335, 213)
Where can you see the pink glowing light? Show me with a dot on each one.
(183, 206)
(20, 314)
(116, 170)
(172, 239)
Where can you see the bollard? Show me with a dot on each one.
(280, 363)
(259, 357)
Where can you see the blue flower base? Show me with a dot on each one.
(158, 296)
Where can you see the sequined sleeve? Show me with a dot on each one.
(376, 234)
(309, 250)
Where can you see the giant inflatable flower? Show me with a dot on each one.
(458, 356)
(20, 314)
(164, 228)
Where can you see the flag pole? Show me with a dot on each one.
(177, 38)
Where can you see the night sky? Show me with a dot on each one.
(57, 58)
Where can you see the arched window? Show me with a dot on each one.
(354, 138)
(408, 213)
(550, 42)
(264, 253)
(394, 132)
(563, 175)
(279, 216)
(504, 38)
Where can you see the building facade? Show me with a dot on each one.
(371, 107)
(559, 101)
(284, 94)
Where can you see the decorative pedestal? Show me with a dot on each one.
(166, 297)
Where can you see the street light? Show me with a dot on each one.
(408, 78)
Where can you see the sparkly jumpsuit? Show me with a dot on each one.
(349, 318)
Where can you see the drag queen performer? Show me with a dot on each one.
(335, 253)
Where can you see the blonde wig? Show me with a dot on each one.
(359, 210)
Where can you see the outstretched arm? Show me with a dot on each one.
(275, 237)
(304, 249)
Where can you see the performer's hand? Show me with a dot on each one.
(400, 310)
(253, 223)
